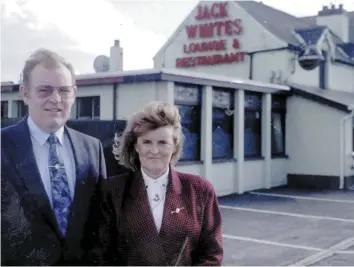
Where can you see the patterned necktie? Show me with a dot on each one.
(61, 197)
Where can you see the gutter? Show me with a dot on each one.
(342, 158)
(345, 62)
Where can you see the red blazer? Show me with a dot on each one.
(125, 231)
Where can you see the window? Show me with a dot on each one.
(223, 124)
(188, 100)
(278, 125)
(87, 108)
(19, 109)
(253, 125)
(4, 109)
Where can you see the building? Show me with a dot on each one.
(266, 98)
(315, 55)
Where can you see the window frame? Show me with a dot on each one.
(224, 106)
(194, 99)
(278, 107)
(21, 108)
(253, 109)
(5, 106)
(93, 109)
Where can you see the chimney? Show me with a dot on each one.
(116, 57)
(336, 19)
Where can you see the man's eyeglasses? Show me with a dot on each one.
(65, 92)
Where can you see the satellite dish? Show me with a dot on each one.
(101, 63)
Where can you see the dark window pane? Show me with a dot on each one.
(4, 109)
(190, 120)
(253, 132)
(88, 107)
(96, 107)
(22, 109)
(278, 133)
(222, 134)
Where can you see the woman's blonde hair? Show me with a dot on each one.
(151, 117)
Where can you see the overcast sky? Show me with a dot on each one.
(82, 29)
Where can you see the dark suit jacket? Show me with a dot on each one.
(125, 233)
(29, 231)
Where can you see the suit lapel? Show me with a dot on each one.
(137, 210)
(27, 168)
(82, 192)
(175, 217)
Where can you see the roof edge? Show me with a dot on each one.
(296, 89)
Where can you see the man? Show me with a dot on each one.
(49, 172)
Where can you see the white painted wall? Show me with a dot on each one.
(133, 97)
(279, 171)
(348, 146)
(312, 138)
(305, 77)
(253, 38)
(196, 169)
(280, 63)
(223, 176)
(341, 77)
(253, 174)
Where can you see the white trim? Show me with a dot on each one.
(327, 35)
(299, 38)
(340, 50)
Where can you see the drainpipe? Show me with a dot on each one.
(342, 160)
(115, 101)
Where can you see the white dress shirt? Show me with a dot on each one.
(41, 153)
(156, 190)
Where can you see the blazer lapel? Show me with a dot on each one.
(175, 217)
(27, 168)
(82, 194)
(137, 209)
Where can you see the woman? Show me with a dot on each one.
(153, 214)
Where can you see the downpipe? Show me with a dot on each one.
(342, 160)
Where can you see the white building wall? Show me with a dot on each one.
(348, 147)
(279, 171)
(253, 175)
(341, 77)
(133, 97)
(273, 66)
(312, 138)
(253, 38)
(305, 77)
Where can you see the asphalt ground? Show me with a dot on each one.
(288, 227)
